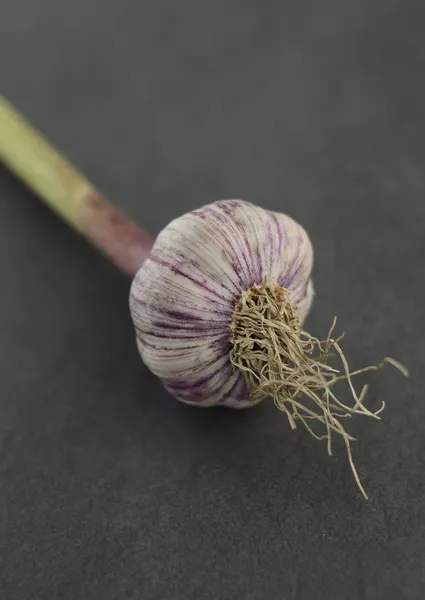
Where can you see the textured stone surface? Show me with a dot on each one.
(108, 487)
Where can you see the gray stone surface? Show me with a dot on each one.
(109, 488)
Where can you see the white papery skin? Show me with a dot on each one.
(183, 297)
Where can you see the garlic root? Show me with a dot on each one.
(282, 361)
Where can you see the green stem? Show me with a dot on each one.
(50, 175)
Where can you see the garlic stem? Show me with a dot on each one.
(53, 178)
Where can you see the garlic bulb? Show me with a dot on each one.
(218, 309)
(183, 297)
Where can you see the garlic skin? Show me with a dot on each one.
(182, 298)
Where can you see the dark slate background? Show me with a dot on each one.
(108, 487)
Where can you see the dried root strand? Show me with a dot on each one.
(281, 360)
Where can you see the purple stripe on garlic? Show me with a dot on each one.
(183, 297)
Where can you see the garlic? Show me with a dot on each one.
(183, 297)
(218, 309)
(219, 303)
